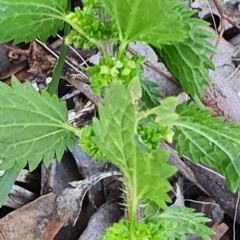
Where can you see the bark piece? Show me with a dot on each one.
(217, 189)
(11, 62)
(222, 96)
(222, 99)
(220, 231)
(106, 215)
(57, 176)
(18, 197)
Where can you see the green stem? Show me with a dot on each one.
(198, 102)
(53, 86)
(106, 47)
(72, 129)
(122, 49)
(132, 217)
(132, 204)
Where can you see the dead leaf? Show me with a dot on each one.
(46, 215)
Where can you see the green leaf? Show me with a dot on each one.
(209, 140)
(155, 22)
(6, 183)
(150, 95)
(32, 126)
(25, 20)
(185, 221)
(174, 223)
(88, 145)
(188, 61)
(164, 113)
(146, 172)
(135, 88)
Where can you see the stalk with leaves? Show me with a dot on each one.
(132, 121)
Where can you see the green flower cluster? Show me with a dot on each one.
(151, 134)
(88, 145)
(147, 230)
(89, 22)
(111, 70)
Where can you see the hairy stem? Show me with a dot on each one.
(132, 204)
(132, 216)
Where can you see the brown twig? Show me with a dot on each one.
(231, 22)
(222, 17)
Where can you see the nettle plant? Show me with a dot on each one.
(134, 117)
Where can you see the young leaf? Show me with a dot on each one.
(209, 140)
(155, 22)
(24, 20)
(185, 221)
(188, 61)
(116, 136)
(32, 127)
(164, 113)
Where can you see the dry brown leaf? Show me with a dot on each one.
(43, 218)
